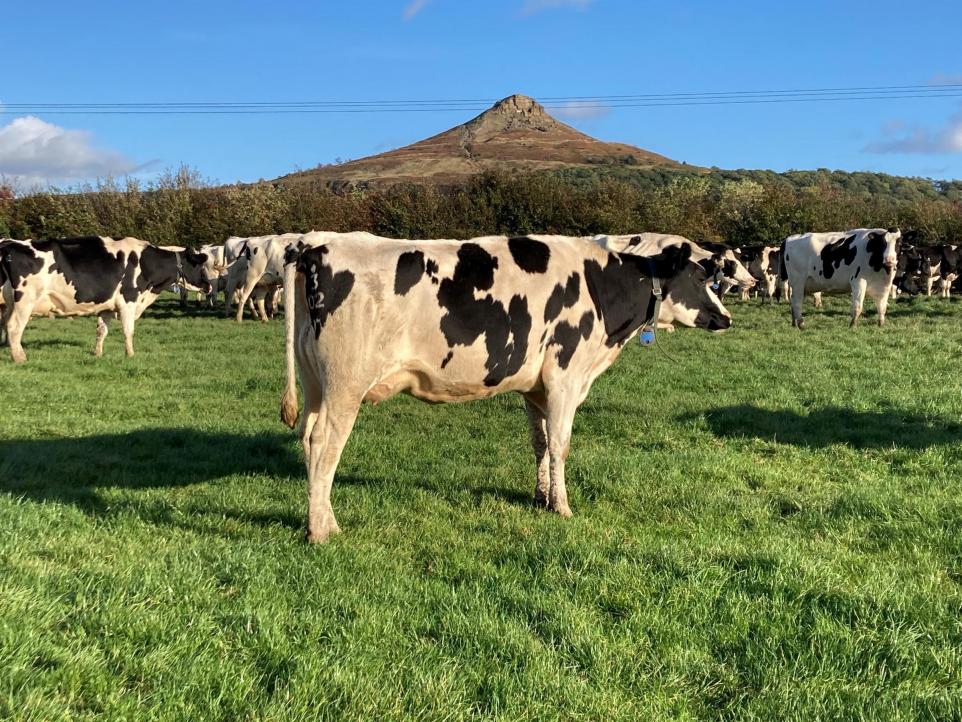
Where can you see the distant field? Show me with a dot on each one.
(768, 525)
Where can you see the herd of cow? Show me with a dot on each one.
(447, 320)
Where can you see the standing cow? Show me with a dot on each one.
(863, 260)
(732, 272)
(258, 272)
(86, 276)
(763, 263)
(454, 321)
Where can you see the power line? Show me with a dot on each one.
(595, 102)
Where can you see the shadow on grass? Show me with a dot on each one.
(832, 425)
(71, 469)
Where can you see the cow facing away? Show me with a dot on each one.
(863, 260)
(450, 321)
(86, 276)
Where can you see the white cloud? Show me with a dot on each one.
(902, 138)
(33, 151)
(584, 110)
(531, 7)
(414, 7)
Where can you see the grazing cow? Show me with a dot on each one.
(454, 321)
(85, 276)
(863, 260)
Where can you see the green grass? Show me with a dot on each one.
(768, 524)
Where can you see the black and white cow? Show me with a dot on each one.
(451, 321)
(764, 264)
(950, 268)
(863, 260)
(86, 276)
(732, 272)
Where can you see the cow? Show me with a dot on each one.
(733, 273)
(450, 321)
(908, 271)
(259, 269)
(950, 268)
(763, 263)
(258, 265)
(929, 266)
(86, 276)
(863, 260)
(217, 270)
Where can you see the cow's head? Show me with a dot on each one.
(893, 241)
(195, 270)
(733, 268)
(687, 298)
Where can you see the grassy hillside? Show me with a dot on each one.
(767, 525)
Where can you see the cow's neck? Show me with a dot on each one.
(622, 296)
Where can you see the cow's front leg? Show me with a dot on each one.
(858, 300)
(539, 442)
(881, 303)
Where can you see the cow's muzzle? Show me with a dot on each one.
(718, 323)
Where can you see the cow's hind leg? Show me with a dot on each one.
(797, 296)
(5, 312)
(128, 316)
(326, 428)
(537, 424)
(102, 319)
(562, 404)
(16, 322)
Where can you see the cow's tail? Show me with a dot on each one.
(289, 410)
(4, 271)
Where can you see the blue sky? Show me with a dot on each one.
(442, 49)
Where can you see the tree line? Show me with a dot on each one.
(737, 207)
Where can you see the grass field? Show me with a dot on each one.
(768, 525)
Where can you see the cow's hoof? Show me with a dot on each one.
(19, 359)
(562, 510)
(540, 500)
(320, 536)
